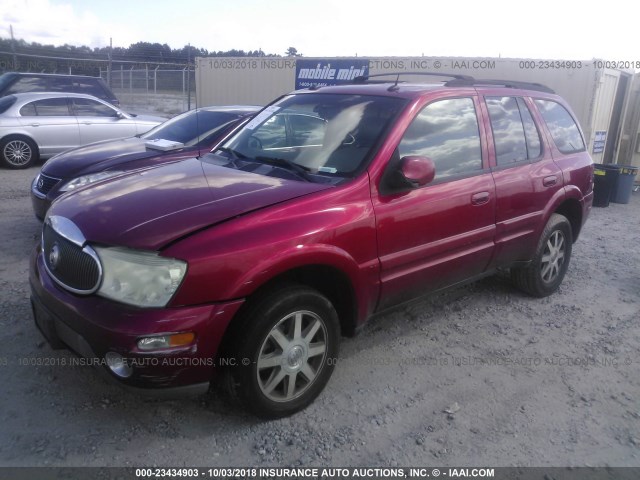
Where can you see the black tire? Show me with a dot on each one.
(18, 152)
(545, 273)
(253, 345)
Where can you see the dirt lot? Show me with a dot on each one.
(528, 382)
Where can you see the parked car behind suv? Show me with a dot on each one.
(249, 263)
(17, 82)
(39, 125)
(186, 135)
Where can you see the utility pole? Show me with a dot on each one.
(109, 65)
(13, 49)
(189, 77)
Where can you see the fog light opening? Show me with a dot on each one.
(118, 365)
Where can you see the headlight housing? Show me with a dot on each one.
(88, 179)
(134, 277)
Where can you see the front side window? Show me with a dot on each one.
(447, 132)
(563, 128)
(85, 107)
(50, 107)
(322, 134)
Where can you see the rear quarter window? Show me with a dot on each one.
(563, 128)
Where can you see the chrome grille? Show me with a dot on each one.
(45, 183)
(74, 267)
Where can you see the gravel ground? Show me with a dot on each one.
(482, 375)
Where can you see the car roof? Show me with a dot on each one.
(30, 96)
(412, 90)
(34, 74)
(237, 109)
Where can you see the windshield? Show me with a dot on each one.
(324, 134)
(193, 127)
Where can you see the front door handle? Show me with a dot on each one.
(549, 181)
(35, 124)
(480, 198)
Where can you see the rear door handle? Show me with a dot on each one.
(35, 124)
(549, 181)
(480, 198)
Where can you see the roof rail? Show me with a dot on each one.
(457, 81)
(365, 78)
(499, 83)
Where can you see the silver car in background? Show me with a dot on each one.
(39, 125)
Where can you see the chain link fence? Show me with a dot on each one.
(151, 89)
(164, 89)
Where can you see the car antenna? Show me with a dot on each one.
(394, 87)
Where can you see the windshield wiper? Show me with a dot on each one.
(233, 153)
(233, 156)
(302, 172)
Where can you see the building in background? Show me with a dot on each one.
(606, 100)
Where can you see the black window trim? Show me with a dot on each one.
(535, 124)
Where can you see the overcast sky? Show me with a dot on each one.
(552, 29)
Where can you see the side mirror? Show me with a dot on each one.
(408, 173)
(418, 171)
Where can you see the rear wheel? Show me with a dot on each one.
(285, 351)
(18, 152)
(546, 271)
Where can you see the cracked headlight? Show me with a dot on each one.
(88, 179)
(139, 278)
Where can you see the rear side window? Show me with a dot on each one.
(562, 126)
(447, 132)
(50, 107)
(90, 87)
(85, 107)
(59, 84)
(514, 134)
(508, 131)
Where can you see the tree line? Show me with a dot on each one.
(141, 53)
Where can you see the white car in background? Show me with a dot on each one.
(40, 124)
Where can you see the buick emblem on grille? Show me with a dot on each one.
(54, 256)
(40, 183)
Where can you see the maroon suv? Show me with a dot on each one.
(249, 263)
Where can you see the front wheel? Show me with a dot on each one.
(545, 273)
(285, 351)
